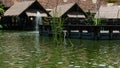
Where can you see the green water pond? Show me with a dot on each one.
(23, 49)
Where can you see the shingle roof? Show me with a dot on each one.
(109, 12)
(18, 8)
(61, 9)
(50, 4)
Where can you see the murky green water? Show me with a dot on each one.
(19, 50)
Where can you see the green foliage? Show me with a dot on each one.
(1, 6)
(94, 21)
(97, 21)
(111, 1)
(1, 10)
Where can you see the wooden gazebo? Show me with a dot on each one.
(22, 15)
(109, 15)
(72, 13)
(69, 14)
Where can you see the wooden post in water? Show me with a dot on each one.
(110, 33)
(96, 32)
(80, 32)
(68, 31)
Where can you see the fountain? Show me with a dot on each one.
(38, 22)
(37, 36)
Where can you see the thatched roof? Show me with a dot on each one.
(18, 8)
(109, 12)
(60, 10)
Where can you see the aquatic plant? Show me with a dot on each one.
(57, 28)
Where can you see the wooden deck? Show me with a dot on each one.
(86, 31)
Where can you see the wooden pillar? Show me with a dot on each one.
(68, 30)
(110, 33)
(80, 32)
(96, 32)
(40, 29)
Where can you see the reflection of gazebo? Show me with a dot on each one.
(72, 11)
(22, 15)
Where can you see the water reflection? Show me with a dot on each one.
(17, 50)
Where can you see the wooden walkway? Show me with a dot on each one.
(87, 31)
